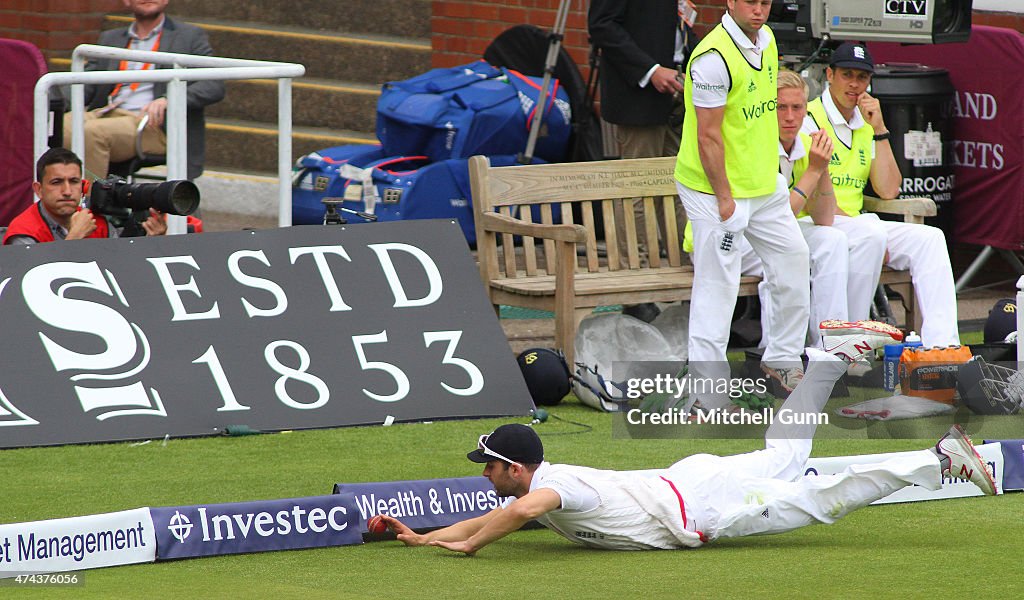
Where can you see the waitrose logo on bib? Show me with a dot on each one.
(212, 529)
(756, 111)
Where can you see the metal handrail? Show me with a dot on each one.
(201, 68)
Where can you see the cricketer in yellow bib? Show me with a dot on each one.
(749, 127)
(727, 175)
(854, 120)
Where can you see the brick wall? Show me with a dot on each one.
(55, 26)
(999, 19)
(462, 29)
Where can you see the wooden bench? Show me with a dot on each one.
(567, 274)
(913, 210)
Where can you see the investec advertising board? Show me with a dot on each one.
(425, 503)
(279, 329)
(214, 529)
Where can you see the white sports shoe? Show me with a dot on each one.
(787, 377)
(960, 459)
(853, 340)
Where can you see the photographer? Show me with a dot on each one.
(59, 215)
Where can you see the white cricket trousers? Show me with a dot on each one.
(766, 491)
(845, 267)
(921, 249)
(767, 223)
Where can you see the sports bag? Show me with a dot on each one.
(392, 188)
(616, 351)
(317, 172)
(473, 109)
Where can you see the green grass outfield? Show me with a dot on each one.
(963, 548)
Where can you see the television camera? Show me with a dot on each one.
(804, 29)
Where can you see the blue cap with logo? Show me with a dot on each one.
(852, 55)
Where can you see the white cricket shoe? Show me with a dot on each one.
(960, 459)
(786, 377)
(853, 340)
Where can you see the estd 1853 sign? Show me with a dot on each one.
(281, 329)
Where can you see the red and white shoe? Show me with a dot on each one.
(853, 340)
(960, 459)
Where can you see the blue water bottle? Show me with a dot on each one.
(891, 366)
(912, 340)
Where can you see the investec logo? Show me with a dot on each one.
(756, 111)
(264, 524)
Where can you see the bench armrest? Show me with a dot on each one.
(914, 210)
(499, 223)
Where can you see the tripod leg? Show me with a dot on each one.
(557, 32)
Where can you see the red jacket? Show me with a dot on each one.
(31, 223)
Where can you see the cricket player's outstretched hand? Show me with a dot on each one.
(405, 535)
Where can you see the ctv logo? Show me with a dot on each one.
(903, 9)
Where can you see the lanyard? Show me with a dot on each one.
(123, 66)
(687, 13)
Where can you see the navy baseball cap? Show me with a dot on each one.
(852, 56)
(514, 443)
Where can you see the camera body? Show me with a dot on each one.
(798, 24)
(123, 203)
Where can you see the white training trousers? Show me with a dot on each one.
(845, 267)
(921, 249)
(766, 491)
(766, 222)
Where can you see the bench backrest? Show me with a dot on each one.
(593, 188)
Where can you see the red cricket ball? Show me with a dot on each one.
(376, 524)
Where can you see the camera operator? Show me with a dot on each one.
(59, 215)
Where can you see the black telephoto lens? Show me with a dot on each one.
(171, 197)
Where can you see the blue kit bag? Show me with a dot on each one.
(392, 188)
(317, 171)
(473, 109)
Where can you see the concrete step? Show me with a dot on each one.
(252, 146)
(365, 58)
(315, 103)
(323, 112)
(403, 18)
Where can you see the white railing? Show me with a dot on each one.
(197, 68)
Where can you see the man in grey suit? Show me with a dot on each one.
(115, 110)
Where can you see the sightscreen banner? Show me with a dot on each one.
(262, 526)
(301, 327)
